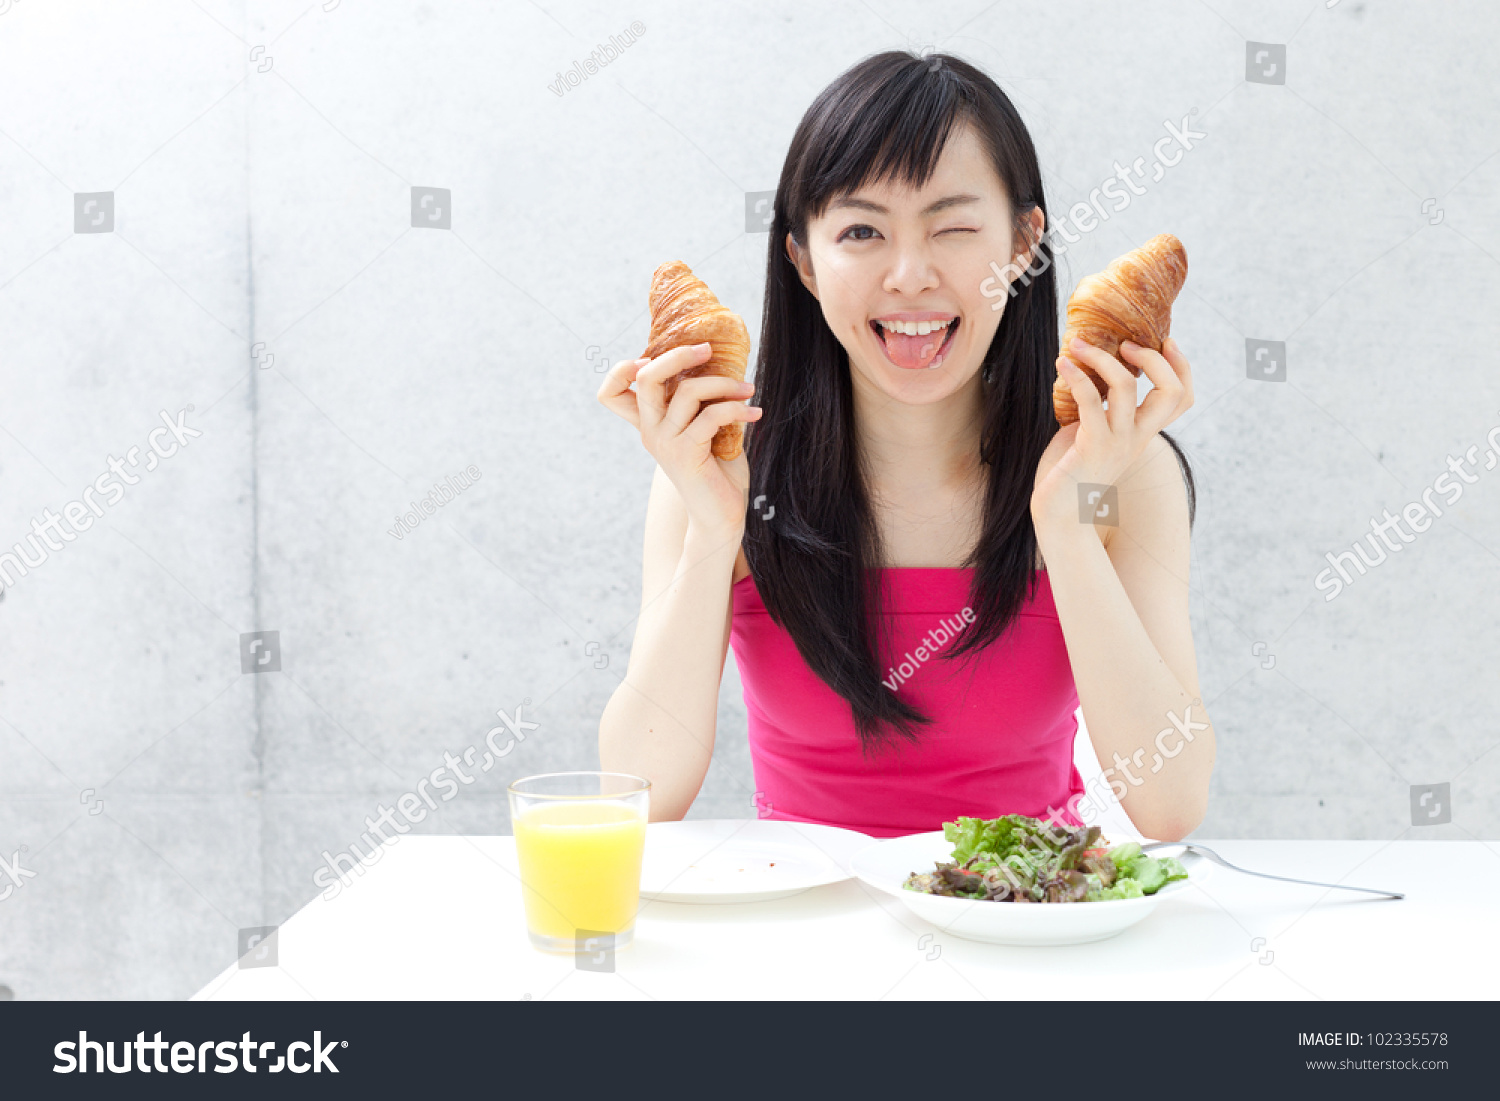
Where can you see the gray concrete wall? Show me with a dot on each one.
(264, 272)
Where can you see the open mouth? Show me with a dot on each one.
(907, 346)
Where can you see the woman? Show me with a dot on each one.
(916, 606)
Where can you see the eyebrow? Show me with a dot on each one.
(945, 203)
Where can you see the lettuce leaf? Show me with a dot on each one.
(1174, 869)
(996, 835)
(1124, 856)
(1123, 888)
(1148, 872)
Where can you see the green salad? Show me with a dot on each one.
(1019, 859)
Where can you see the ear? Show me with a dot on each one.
(802, 261)
(1034, 225)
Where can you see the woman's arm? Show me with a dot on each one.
(660, 721)
(1124, 607)
(1124, 615)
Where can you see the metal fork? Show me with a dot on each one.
(1217, 859)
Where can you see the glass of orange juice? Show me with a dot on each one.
(580, 837)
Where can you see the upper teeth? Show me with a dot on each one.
(913, 328)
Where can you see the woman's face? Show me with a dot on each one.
(898, 273)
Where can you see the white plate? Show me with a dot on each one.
(886, 865)
(743, 860)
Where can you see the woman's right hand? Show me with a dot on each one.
(680, 435)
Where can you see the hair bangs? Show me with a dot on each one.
(894, 130)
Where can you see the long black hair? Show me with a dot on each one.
(889, 117)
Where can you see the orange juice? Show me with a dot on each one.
(580, 865)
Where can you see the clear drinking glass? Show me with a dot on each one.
(580, 837)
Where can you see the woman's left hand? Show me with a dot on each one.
(1104, 443)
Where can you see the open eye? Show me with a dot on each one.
(853, 231)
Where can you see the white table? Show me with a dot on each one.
(441, 918)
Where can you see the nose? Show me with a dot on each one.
(911, 271)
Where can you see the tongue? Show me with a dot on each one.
(914, 351)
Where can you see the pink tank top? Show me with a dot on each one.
(1004, 720)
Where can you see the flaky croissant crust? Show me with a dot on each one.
(685, 311)
(1131, 299)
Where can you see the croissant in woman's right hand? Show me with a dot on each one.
(679, 434)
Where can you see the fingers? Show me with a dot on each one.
(693, 392)
(1086, 394)
(1164, 403)
(651, 380)
(1117, 377)
(716, 416)
(615, 393)
(1182, 369)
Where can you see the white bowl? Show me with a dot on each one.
(887, 864)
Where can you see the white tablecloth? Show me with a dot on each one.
(442, 918)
